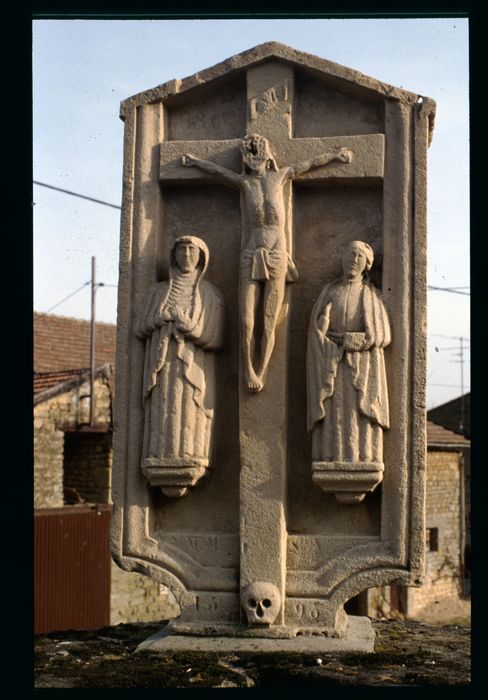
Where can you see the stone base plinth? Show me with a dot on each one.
(359, 637)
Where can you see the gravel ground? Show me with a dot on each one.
(406, 654)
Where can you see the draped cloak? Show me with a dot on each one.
(179, 367)
(347, 390)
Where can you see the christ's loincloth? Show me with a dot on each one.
(261, 264)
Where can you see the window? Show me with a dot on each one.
(432, 539)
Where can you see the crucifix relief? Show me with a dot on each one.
(322, 158)
(266, 264)
(266, 210)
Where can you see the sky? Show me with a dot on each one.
(83, 69)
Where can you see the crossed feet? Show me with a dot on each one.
(254, 382)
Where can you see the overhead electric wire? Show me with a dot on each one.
(452, 337)
(66, 298)
(452, 348)
(76, 194)
(454, 386)
(99, 284)
(453, 290)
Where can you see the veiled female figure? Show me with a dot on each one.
(182, 324)
(347, 388)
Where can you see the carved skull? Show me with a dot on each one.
(261, 602)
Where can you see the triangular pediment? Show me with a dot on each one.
(335, 76)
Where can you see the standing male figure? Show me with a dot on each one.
(266, 264)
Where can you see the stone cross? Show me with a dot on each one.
(270, 98)
(253, 521)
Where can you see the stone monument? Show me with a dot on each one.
(269, 432)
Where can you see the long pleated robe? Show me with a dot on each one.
(179, 374)
(347, 390)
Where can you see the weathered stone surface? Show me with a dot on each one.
(277, 160)
(359, 637)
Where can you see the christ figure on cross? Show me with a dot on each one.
(266, 265)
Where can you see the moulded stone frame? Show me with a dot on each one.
(398, 554)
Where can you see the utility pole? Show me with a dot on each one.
(461, 417)
(92, 343)
(460, 354)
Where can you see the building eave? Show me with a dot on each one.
(104, 371)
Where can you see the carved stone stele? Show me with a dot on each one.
(347, 387)
(182, 327)
(278, 160)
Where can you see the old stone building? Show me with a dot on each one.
(454, 415)
(73, 459)
(446, 531)
(444, 594)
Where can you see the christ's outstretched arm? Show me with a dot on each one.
(207, 166)
(344, 155)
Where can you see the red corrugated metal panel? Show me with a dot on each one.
(71, 568)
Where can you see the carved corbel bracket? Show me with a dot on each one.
(348, 481)
(176, 476)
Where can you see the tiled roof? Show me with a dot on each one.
(437, 435)
(62, 343)
(46, 380)
(450, 414)
(50, 384)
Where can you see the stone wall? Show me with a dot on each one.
(444, 513)
(48, 455)
(443, 568)
(137, 598)
(51, 418)
(383, 603)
